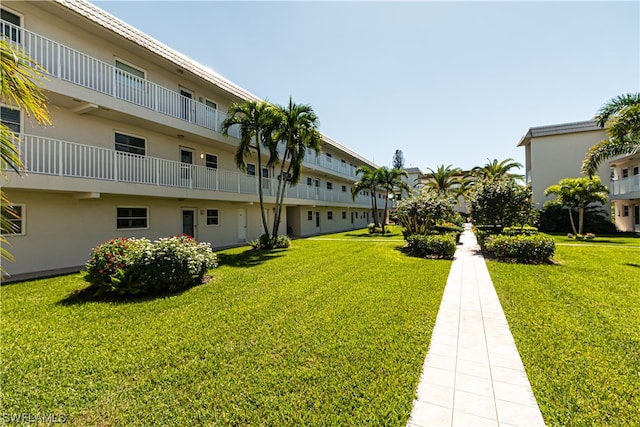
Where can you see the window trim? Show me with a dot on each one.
(117, 59)
(329, 185)
(217, 217)
(254, 169)
(21, 219)
(309, 215)
(147, 217)
(330, 215)
(344, 214)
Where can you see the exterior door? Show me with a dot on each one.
(636, 218)
(186, 103)
(317, 221)
(242, 225)
(351, 218)
(186, 158)
(189, 222)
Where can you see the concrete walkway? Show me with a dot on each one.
(473, 374)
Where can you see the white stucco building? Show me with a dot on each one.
(136, 149)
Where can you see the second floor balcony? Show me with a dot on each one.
(625, 187)
(47, 156)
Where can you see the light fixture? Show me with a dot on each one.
(202, 155)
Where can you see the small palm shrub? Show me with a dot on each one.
(266, 242)
(432, 245)
(528, 249)
(132, 266)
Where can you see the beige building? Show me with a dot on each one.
(135, 149)
(557, 151)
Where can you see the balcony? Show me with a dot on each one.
(48, 156)
(72, 66)
(625, 188)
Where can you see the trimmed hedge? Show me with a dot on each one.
(435, 245)
(264, 242)
(516, 230)
(528, 249)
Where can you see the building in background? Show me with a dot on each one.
(135, 149)
(557, 151)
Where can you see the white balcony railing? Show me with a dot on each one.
(69, 159)
(624, 186)
(68, 64)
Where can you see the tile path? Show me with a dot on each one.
(473, 375)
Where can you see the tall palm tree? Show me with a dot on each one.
(390, 180)
(367, 182)
(19, 77)
(494, 170)
(298, 128)
(257, 121)
(448, 181)
(620, 117)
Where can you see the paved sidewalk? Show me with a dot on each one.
(473, 375)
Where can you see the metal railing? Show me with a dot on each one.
(627, 185)
(49, 156)
(70, 65)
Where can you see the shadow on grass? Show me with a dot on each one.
(367, 234)
(249, 258)
(631, 264)
(89, 294)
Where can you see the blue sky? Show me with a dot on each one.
(445, 82)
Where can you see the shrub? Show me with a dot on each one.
(502, 203)
(438, 245)
(131, 266)
(113, 265)
(420, 213)
(528, 249)
(517, 229)
(265, 242)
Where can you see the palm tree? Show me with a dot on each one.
(257, 120)
(620, 117)
(19, 76)
(390, 180)
(298, 128)
(494, 170)
(578, 193)
(367, 182)
(448, 181)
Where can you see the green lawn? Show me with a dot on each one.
(329, 332)
(577, 327)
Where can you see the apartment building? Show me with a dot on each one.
(136, 148)
(554, 152)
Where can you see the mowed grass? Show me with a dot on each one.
(328, 332)
(577, 327)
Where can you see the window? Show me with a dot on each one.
(309, 180)
(329, 158)
(636, 170)
(213, 217)
(310, 215)
(625, 210)
(211, 161)
(344, 215)
(329, 186)
(330, 215)
(10, 118)
(251, 169)
(130, 69)
(625, 173)
(132, 218)
(344, 188)
(286, 176)
(12, 34)
(130, 144)
(16, 219)
(211, 104)
(316, 182)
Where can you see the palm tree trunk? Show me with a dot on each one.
(374, 204)
(260, 195)
(573, 225)
(580, 219)
(384, 218)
